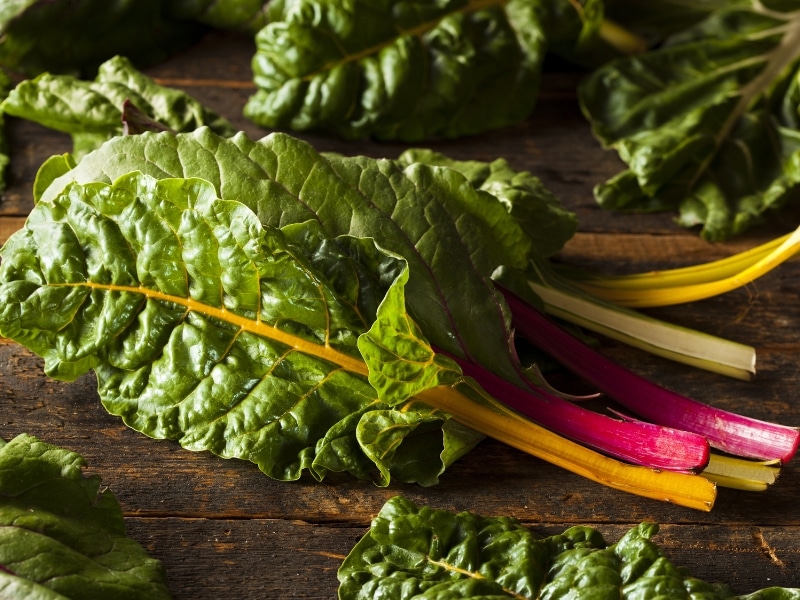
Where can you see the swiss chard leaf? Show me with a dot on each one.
(418, 552)
(94, 111)
(61, 537)
(431, 216)
(408, 71)
(205, 327)
(76, 36)
(709, 124)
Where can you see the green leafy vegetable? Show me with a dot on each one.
(61, 537)
(75, 36)
(408, 71)
(709, 124)
(454, 236)
(418, 552)
(247, 16)
(204, 327)
(93, 112)
(227, 363)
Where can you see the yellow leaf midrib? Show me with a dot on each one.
(254, 326)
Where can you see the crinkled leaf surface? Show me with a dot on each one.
(205, 327)
(418, 552)
(407, 70)
(92, 111)
(452, 236)
(709, 124)
(548, 224)
(60, 536)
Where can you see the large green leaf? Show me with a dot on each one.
(408, 70)
(422, 553)
(452, 236)
(205, 327)
(709, 124)
(60, 536)
(93, 111)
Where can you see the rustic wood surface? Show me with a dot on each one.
(223, 529)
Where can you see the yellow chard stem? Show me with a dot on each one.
(689, 284)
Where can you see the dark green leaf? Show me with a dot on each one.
(60, 536)
(247, 16)
(205, 327)
(422, 553)
(75, 36)
(708, 124)
(93, 112)
(409, 71)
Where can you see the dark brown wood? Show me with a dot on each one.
(224, 529)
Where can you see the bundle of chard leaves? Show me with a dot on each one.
(419, 552)
(320, 313)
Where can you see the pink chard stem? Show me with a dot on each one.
(736, 434)
(636, 442)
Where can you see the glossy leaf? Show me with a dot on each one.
(420, 552)
(408, 70)
(204, 327)
(431, 216)
(60, 536)
(709, 123)
(94, 111)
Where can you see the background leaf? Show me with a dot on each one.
(60, 536)
(398, 70)
(708, 123)
(419, 552)
(92, 112)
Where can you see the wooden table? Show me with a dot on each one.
(223, 529)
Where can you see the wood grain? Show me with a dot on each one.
(222, 528)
